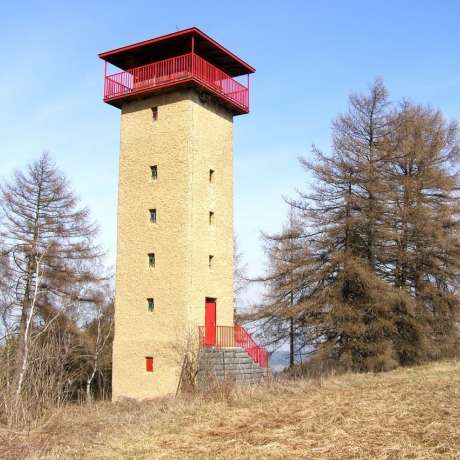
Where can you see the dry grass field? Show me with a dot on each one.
(409, 413)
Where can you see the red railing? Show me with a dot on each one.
(230, 337)
(186, 67)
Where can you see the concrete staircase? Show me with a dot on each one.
(229, 363)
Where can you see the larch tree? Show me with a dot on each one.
(285, 280)
(345, 307)
(330, 260)
(359, 139)
(377, 257)
(53, 259)
(423, 212)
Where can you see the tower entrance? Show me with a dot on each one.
(210, 323)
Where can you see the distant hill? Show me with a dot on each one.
(279, 360)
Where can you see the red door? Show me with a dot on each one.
(210, 323)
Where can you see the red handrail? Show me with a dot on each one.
(234, 336)
(173, 70)
(220, 81)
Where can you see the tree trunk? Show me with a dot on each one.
(291, 336)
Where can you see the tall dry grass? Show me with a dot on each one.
(406, 413)
(43, 388)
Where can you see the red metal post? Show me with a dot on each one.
(193, 55)
(248, 93)
(105, 79)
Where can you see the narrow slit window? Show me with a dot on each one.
(151, 260)
(211, 260)
(151, 304)
(149, 363)
(211, 176)
(153, 216)
(211, 218)
(154, 172)
(155, 113)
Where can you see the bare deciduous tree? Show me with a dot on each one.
(100, 338)
(240, 280)
(53, 262)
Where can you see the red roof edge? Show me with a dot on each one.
(106, 54)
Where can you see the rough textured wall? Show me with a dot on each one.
(187, 140)
(211, 149)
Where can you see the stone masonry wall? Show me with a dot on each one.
(187, 140)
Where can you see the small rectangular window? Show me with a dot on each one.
(149, 363)
(153, 216)
(154, 172)
(151, 260)
(155, 113)
(211, 261)
(211, 175)
(151, 304)
(211, 218)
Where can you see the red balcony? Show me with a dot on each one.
(231, 337)
(187, 69)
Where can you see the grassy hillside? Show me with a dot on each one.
(407, 413)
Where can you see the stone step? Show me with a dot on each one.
(230, 363)
(230, 359)
(226, 357)
(237, 368)
(219, 351)
(223, 350)
(236, 379)
(248, 371)
(228, 374)
(214, 361)
(257, 377)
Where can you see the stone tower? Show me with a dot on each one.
(178, 96)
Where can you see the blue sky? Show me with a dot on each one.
(309, 56)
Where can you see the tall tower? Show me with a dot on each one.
(178, 96)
